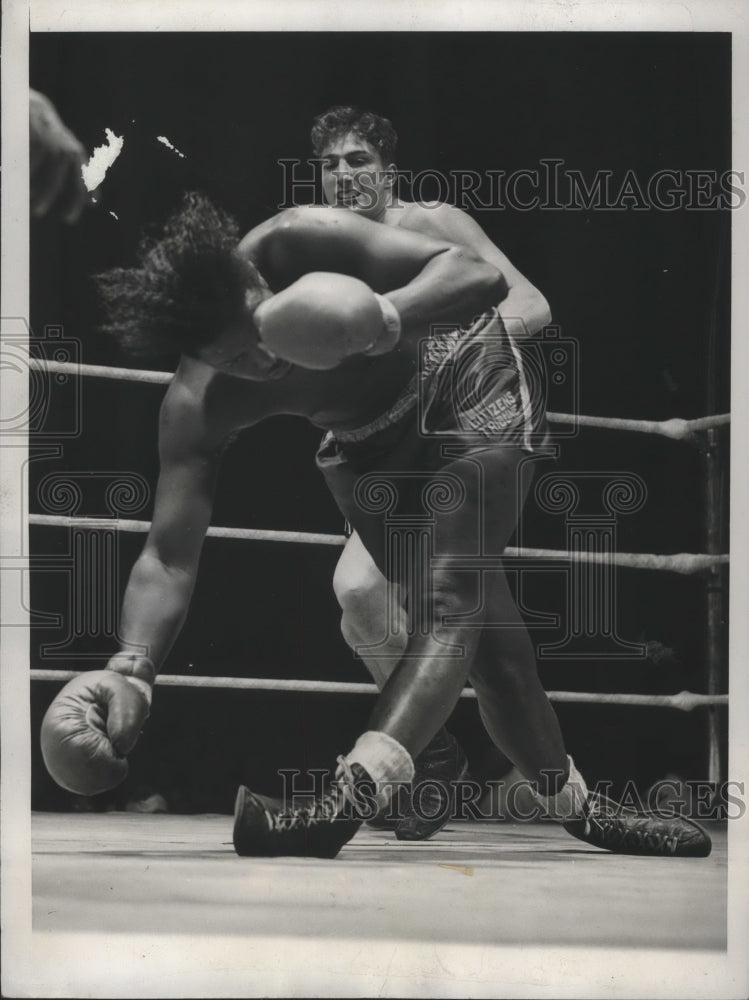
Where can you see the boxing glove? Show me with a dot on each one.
(90, 727)
(324, 318)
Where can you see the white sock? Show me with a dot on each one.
(569, 801)
(385, 760)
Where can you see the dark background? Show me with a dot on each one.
(645, 294)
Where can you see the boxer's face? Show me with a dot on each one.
(238, 350)
(354, 176)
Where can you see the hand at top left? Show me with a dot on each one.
(56, 159)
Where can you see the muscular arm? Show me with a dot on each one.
(163, 578)
(524, 310)
(428, 280)
(95, 721)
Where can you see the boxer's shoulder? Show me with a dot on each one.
(292, 242)
(299, 219)
(188, 390)
(428, 217)
(202, 407)
(183, 417)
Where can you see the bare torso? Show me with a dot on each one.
(341, 398)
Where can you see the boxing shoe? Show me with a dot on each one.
(390, 817)
(430, 805)
(267, 827)
(418, 812)
(623, 830)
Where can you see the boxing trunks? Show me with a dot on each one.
(474, 389)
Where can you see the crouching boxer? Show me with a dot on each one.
(320, 343)
(249, 352)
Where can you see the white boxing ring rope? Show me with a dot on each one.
(676, 428)
(685, 701)
(683, 563)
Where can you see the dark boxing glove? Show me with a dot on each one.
(90, 727)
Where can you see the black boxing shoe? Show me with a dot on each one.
(623, 830)
(267, 827)
(389, 817)
(430, 805)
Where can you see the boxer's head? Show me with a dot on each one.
(189, 288)
(357, 150)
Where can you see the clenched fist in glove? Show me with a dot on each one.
(93, 723)
(322, 319)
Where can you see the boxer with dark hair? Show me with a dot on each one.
(357, 150)
(333, 332)
(343, 120)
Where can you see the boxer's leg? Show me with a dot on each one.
(373, 616)
(374, 624)
(422, 691)
(372, 613)
(513, 705)
(424, 687)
